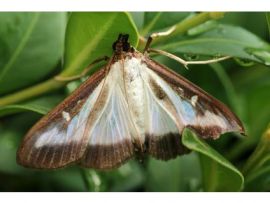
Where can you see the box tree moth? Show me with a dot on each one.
(133, 105)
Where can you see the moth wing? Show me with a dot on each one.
(195, 108)
(58, 138)
(111, 128)
(162, 132)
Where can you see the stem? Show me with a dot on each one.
(85, 179)
(260, 155)
(189, 23)
(141, 44)
(92, 180)
(257, 174)
(151, 24)
(34, 91)
(184, 26)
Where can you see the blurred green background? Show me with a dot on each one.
(34, 47)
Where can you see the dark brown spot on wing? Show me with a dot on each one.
(165, 147)
(207, 131)
(158, 91)
(108, 156)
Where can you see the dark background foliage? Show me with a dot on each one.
(34, 47)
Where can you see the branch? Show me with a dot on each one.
(34, 91)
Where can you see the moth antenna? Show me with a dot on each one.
(186, 63)
(165, 33)
(169, 55)
(156, 35)
(209, 61)
(83, 73)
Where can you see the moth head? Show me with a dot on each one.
(122, 44)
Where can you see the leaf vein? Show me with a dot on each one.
(21, 45)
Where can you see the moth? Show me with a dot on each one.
(133, 105)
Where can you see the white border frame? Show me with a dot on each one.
(134, 5)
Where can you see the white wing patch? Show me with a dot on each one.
(57, 134)
(114, 125)
(185, 111)
(159, 122)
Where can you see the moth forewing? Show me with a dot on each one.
(56, 140)
(206, 115)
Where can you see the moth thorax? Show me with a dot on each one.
(121, 44)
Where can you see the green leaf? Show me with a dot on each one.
(228, 87)
(255, 95)
(90, 36)
(9, 140)
(218, 174)
(247, 20)
(181, 174)
(209, 25)
(138, 18)
(268, 21)
(254, 88)
(223, 40)
(41, 105)
(31, 45)
(155, 21)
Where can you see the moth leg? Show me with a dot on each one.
(156, 35)
(83, 73)
(186, 63)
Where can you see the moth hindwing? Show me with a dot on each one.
(132, 105)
